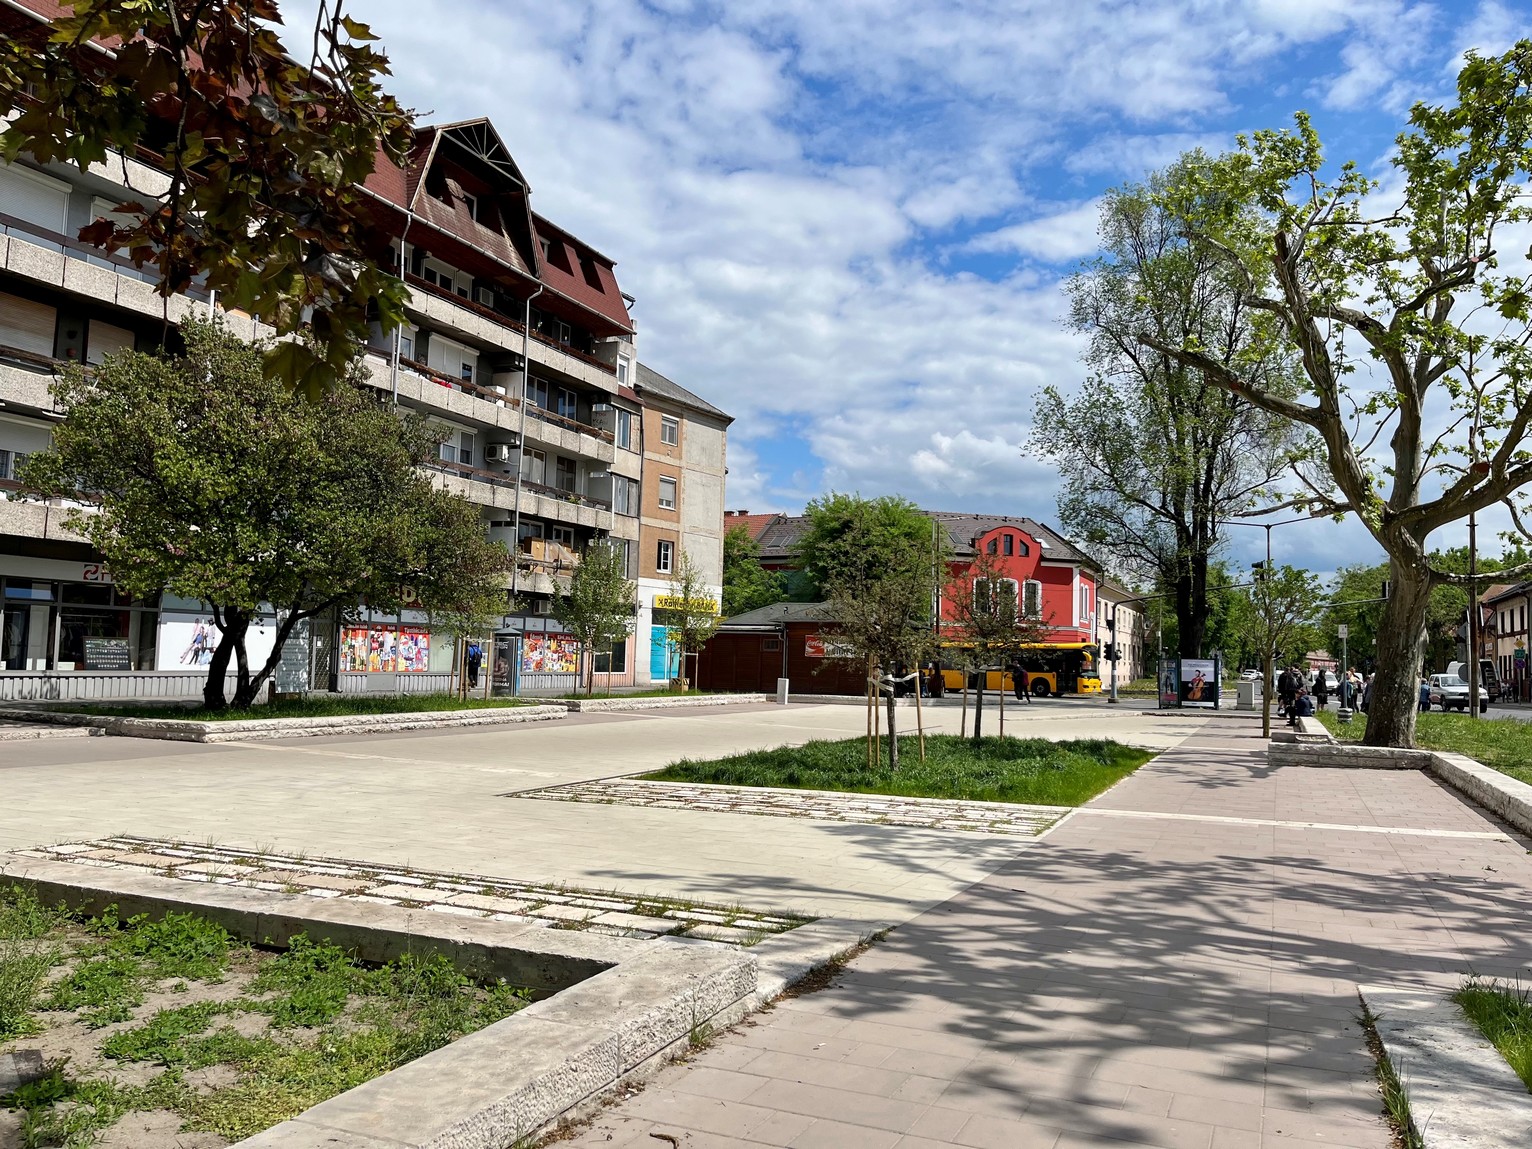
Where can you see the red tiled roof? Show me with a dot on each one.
(755, 525)
(586, 277)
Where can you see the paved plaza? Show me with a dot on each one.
(1175, 966)
(440, 800)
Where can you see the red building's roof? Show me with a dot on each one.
(755, 525)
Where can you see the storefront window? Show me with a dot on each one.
(75, 626)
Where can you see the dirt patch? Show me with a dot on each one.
(160, 1129)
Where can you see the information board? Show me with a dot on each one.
(107, 654)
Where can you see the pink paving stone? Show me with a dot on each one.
(1138, 981)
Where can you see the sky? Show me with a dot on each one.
(847, 222)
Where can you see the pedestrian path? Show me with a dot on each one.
(1185, 980)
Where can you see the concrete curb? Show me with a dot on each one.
(28, 734)
(616, 1010)
(1461, 1091)
(255, 729)
(786, 959)
(1345, 756)
(596, 705)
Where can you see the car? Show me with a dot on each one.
(1449, 692)
(1250, 676)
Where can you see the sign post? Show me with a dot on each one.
(1344, 713)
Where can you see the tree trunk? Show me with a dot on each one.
(253, 688)
(236, 624)
(1191, 605)
(978, 708)
(893, 731)
(1401, 646)
(217, 670)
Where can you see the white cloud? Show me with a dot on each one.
(786, 185)
(1066, 236)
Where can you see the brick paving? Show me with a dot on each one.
(502, 899)
(1185, 980)
(817, 805)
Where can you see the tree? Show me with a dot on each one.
(217, 482)
(878, 565)
(989, 622)
(692, 615)
(265, 156)
(1276, 616)
(1414, 343)
(598, 606)
(1154, 457)
(849, 539)
(746, 584)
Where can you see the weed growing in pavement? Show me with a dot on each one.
(1396, 1097)
(1503, 1014)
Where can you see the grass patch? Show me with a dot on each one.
(1503, 744)
(1503, 1014)
(1027, 770)
(332, 1022)
(313, 706)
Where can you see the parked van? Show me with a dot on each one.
(1489, 681)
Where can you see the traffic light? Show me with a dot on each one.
(1110, 652)
(1258, 570)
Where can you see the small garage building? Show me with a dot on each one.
(792, 640)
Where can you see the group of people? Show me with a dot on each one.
(1295, 698)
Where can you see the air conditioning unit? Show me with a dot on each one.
(485, 295)
(499, 452)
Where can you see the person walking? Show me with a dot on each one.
(1321, 689)
(1425, 694)
(1287, 690)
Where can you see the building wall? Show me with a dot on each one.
(1070, 617)
(750, 661)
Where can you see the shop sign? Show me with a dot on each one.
(688, 606)
(95, 572)
(817, 646)
(107, 654)
(1520, 657)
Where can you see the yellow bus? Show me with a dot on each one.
(1051, 668)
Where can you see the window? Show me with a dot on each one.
(624, 433)
(624, 496)
(564, 536)
(534, 467)
(670, 430)
(1010, 544)
(564, 474)
(993, 546)
(569, 403)
(1084, 603)
(465, 447)
(995, 597)
(622, 369)
(668, 494)
(472, 205)
(664, 556)
(10, 463)
(1032, 599)
(1022, 549)
(565, 332)
(437, 278)
(537, 392)
(406, 344)
(614, 661)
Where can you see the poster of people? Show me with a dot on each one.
(385, 650)
(1170, 689)
(549, 654)
(187, 641)
(1199, 682)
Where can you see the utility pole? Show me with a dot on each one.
(1473, 615)
(1113, 631)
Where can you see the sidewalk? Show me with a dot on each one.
(1174, 966)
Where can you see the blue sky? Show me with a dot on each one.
(846, 221)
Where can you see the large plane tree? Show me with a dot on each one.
(1411, 324)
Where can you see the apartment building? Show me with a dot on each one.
(685, 452)
(1132, 633)
(519, 348)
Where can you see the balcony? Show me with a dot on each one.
(495, 326)
(35, 235)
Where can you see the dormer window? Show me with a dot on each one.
(472, 204)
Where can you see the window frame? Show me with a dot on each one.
(665, 556)
(622, 432)
(1027, 611)
(670, 430)
(675, 493)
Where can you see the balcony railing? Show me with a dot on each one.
(508, 479)
(72, 247)
(505, 320)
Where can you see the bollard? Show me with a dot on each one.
(781, 692)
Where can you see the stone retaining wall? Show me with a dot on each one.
(585, 705)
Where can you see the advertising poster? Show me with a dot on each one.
(414, 651)
(382, 650)
(1170, 688)
(353, 648)
(1199, 682)
(549, 654)
(187, 641)
(818, 646)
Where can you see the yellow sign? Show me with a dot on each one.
(687, 606)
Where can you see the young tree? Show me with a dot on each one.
(878, 565)
(1154, 456)
(265, 151)
(1414, 343)
(692, 615)
(746, 584)
(1276, 616)
(216, 482)
(990, 624)
(598, 606)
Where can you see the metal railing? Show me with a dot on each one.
(75, 249)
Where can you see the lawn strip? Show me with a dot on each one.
(1503, 744)
(1503, 1014)
(1030, 771)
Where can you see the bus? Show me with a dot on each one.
(1051, 667)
